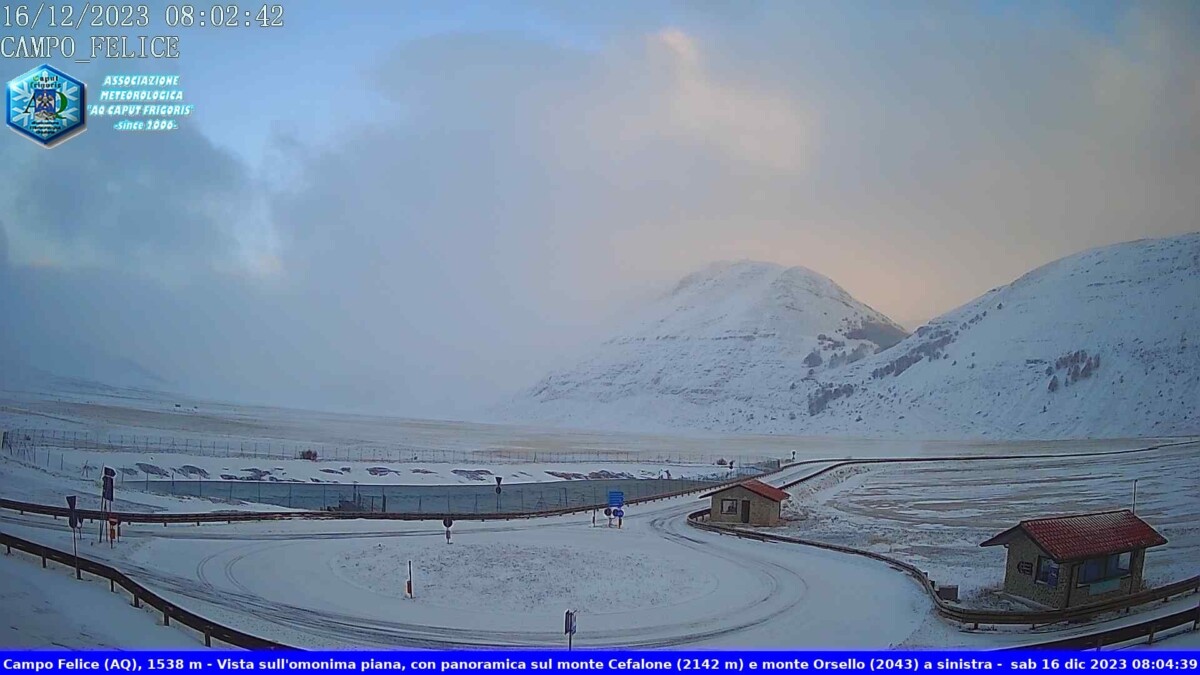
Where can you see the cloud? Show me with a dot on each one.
(492, 202)
(165, 205)
(753, 126)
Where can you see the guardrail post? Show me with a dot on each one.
(112, 586)
(207, 638)
(137, 601)
(166, 616)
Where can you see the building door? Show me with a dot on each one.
(745, 510)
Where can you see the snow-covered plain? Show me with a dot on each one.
(654, 583)
(934, 515)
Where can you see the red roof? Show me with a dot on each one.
(1089, 535)
(757, 487)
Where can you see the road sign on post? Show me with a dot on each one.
(447, 522)
(72, 514)
(109, 475)
(616, 498)
(569, 627)
(619, 513)
(74, 521)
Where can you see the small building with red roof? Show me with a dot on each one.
(1070, 561)
(750, 502)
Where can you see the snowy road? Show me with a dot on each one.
(655, 582)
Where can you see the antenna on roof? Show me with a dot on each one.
(1135, 496)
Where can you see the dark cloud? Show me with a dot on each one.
(156, 201)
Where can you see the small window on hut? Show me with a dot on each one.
(729, 507)
(1047, 572)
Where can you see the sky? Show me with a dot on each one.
(420, 208)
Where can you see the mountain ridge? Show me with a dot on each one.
(1099, 343)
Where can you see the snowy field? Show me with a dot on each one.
(654, 583)
(151, 413)
(58, 612)
(935, 515)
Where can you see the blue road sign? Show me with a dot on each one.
(619, 513)
(616, 498)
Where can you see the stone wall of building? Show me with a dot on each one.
(1067, 593)
(763, 511)
(1023, 555)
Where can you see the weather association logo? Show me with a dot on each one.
(46, 105)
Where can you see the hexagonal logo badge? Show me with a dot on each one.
(46, 105)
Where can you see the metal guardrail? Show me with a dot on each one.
(1146, 629)
(140, 594)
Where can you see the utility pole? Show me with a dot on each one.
(1135, 496)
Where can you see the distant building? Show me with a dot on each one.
(750, 502)
(1070, 561)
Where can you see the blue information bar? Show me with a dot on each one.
(500, 661)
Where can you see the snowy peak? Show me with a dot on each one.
(711, 345)
(750, 299)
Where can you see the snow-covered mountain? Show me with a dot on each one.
(1104, 343)
(1101, 343)
(725, 349)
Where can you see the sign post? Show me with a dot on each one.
(498, 479)
(447, 522)
(106, 496)
(569, 628)
(408, 586)
(616, 499)
(73, 518)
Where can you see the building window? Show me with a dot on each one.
(729, 507)
(1118, 565)
(1104, 568)
(1047, 572)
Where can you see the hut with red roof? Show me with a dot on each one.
(1069, 561)
(750, 502)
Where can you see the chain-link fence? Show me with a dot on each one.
(203, 446)
(71, 454)
(434, 499)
